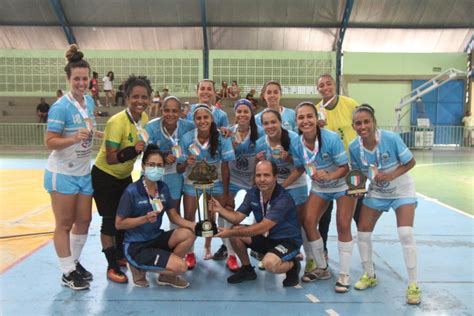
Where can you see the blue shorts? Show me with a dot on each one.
(234, 188)
(386, 204)
(217, 189)
(299, 195)
(329, 196)
(150, 255)
(175, 184)
(61, 183)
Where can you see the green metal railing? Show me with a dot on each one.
(31, 136)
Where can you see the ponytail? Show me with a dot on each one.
(214, 139)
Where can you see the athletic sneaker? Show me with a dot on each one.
(244, 274)
(190, 260)
(86, 275)
(74, 281)
(316, 274)
(365, 281)
(232, 264)
(310, 265)
(114, 274)
(221, 253)
(139, 276)
(261, 266)
(413, 294)
(175, 281)
(342, 284)
(292, 276)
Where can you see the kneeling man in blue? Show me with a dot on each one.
(276, 233)
(140, 213)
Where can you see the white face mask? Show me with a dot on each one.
(154, 173)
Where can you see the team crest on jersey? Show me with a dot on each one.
(385, 156)
(242, 163)
(325, 156)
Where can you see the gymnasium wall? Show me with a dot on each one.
(382, 79)
(379, 79)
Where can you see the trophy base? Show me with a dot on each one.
(356, 191)
(205, 228)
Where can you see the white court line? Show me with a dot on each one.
(331, 312)
(443, 163)
(312, 298)
(445, 205)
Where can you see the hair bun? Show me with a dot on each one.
(73, 54)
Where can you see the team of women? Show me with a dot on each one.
(293, 139)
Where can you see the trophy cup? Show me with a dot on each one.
(203, 176)
(356, 180)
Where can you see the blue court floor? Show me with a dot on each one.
(445, 241)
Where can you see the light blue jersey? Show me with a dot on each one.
(284, 167)
(165, 142)
(389, 153)
(188, 144)
(66, 119)
(220, 117)
(330, 157)
(243, 167)
(288, 119)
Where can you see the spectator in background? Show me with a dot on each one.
(250, 96)
(185, 108)
(94, 88)
(224, 92)
(165, 93)
(468, 122)
(109, 88)
(120, 95)
(59, 94)
(234, 91)
(42, 111)
(154, 109)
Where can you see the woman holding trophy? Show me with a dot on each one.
(204, 143)
(385, 159)
(326, 163)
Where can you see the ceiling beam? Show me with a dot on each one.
(58, 8)
(340, 41)
(205, 51)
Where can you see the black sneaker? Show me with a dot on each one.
(86, 275)
(220, 254)
(75, 281)
(244, 274)
(292, 276)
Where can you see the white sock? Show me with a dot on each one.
(364, 241)
(345, 255)
(226, 241)
(76, 243)
(307, 250)
(405, 234)
(67, 264)
(317, 251)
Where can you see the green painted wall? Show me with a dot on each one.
(401, 64)
(383, 97)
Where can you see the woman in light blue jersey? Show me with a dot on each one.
(384, 158)
(67, 178)
(204, 143)
(326, 163)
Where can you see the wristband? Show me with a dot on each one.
(128, 153)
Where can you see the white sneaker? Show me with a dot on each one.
(342, 284)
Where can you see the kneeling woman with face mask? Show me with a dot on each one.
(140, 213)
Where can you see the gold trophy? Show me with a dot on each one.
(203, 176)
(356, 180)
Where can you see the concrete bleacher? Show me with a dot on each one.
(23, 109)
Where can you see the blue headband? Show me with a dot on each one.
(201, 106)
(244, 102)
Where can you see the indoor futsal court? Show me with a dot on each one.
(410, 60)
